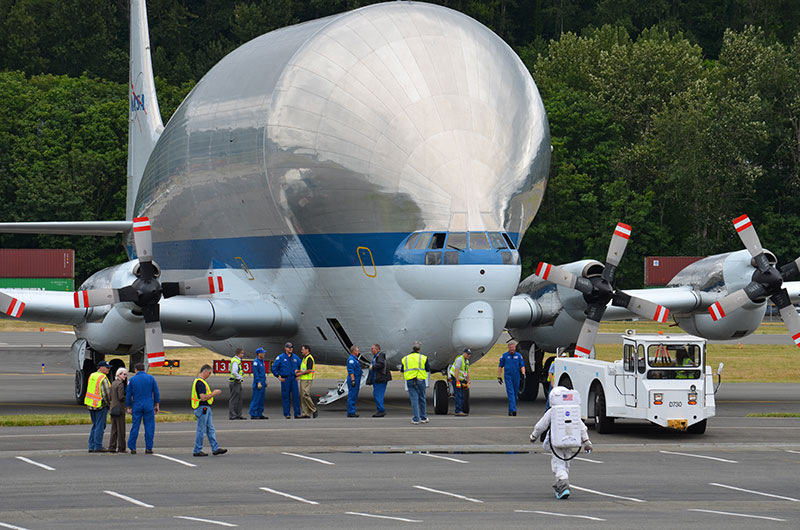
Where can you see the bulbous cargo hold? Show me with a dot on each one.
(391, 118)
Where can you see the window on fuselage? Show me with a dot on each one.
(457, 240)
(508, 240)
(498, 242)
(437, 241)
(433, 258)
(412, 241)
(478, 241)
(423, 241)
(451, 257)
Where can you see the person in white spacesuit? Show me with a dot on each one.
(566, 435)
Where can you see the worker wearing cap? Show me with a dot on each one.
(459, 379)
(98, 397)
(235, 386)
(415, 370)
(142, 400)
(354, 372)
(201, 400)
(259, 386)
(511, 369)
(306, 376)
(285, 369)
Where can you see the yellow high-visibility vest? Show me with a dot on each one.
(463, 373)
(195, 397)
(303, 368)
(94, 393)
(414, 366)
(238, 368)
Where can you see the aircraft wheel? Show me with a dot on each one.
(440, 397)
(465, 394)
(530, 385)
(82, 379)
(697, 428)
(545, 371)
(602, 423)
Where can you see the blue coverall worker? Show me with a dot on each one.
(142, 401)
(284, 368)
(259, 386)
(354, 372)
(511, 368)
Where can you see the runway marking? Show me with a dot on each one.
(301, 499)
(310, 458)
(28, 460)
(445, 458)
(790, 451)
(737, 514)
(561, 515)
(6, 525)
(754, 492)
(220, 523)
(187, 464)
(634, 499)
(588, 460)
(456, 495)
(383, 517)
(129, 499)
(700, 456)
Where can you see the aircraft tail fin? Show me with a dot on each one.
(144, 118)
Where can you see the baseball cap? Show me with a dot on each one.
(102, 364)
(467, 351)
(261, 350)
(288, 345)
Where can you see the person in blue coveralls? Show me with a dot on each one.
(354, 372)
(511, 369)
(259, 386)
(142, 400)
(284, 368)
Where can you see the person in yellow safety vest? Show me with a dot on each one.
(98, 398)
(202, 399)
(459, 378)
(682, 359)
(305, 375)
(235, 386)
(415, 369)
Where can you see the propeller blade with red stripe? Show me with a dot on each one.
(727, 304)
(194, 286)
(143, 239)
(647, 309)
(619, 242)
(586, 338)
(11, 306)
(154, 343)
(556, 274)
(95, 297)
(747, 233)
(792, 321)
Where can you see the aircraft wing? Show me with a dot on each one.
(53, 307)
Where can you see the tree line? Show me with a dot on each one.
(673, 116)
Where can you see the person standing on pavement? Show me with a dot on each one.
(259, 386)
(511, 369)
(459, 378)
(202, 398)
(285, 369)
(354, 372)
(98, 397)
(142, 399)
(381, 375)
(235, 386)
(117, 442)
(306, 376)
(415, 369)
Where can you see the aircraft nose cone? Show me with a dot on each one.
(474, 326)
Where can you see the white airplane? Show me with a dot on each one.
(361, 178)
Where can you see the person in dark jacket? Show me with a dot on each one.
(117, 443)
(381, 375)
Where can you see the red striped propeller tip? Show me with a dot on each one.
(742, 222)
(543, 270)
(15, 308)
(716, 311)
(141, 224)
(796, 339)
(662, 313)
(623, 230)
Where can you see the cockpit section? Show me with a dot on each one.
(458, 248)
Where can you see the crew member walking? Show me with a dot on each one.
(381, 375)
(459, 378)
(354, 372)
(306, 376)
(142, 400)
(259, 386)
(512, 367)
(415, 369)
(202, 398)
(98, 396)
(285, 367)
(235, 386)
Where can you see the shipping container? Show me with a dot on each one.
(38, 284)
(37, 263)
(659, 270)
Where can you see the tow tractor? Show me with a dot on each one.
(661, 378)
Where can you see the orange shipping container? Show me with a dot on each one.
(37, 263)
(659, 270)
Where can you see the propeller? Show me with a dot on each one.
(599, 291)
(767, 282)
(11, 306)
(147, 290)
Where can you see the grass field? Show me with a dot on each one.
(30, 420)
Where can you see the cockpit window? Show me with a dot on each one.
(437, 241)
(423, 240)
(508, 240)
(497, 240)
(412, 240)
(674, 355)
(457, 240)
(478, 241)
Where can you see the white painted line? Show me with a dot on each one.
(737, 514)
(445, 458)
(700, 456)
(754, 492)
(220, 523)
(129, 499)
(790, 451)
(6, 525)
(301, 499)
(383, 517)
(448, 493)
(310, 458)
(187, 464)
(573, 486)
(174, 343)
(588, 460)
(28, 460)
(561, 515)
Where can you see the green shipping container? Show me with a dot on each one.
(38, 284)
